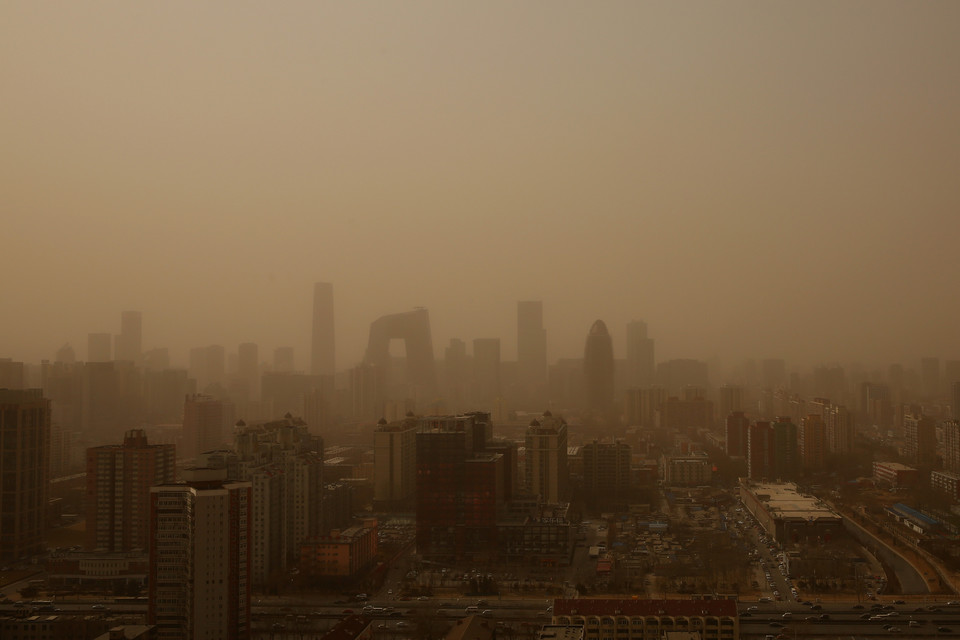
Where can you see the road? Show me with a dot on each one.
(911, 581)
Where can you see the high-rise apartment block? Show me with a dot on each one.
(395, 462)
(737, 429)
(545, 468)
(119, 478)
(606, 475)
(951, 445)
(812, 439)
(24, 472)
(761, 451)
(200, 557)
(486, 373)
(919, 439)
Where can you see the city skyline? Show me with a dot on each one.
(751, 180)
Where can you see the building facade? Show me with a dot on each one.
(24, 472)
(200, 557)
(119, 478)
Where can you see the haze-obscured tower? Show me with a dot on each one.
(248, 369)
(414, 328)
(598, 369)
(640, 364)
(531, 349)
(486, 373)
(545, 467)
(24, 470)
(130, 340)
(322, 351)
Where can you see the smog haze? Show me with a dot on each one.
(752, 179)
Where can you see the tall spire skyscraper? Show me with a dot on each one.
(322, 351)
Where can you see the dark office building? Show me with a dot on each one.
(598, 370)
(460, 489)
(606, 475)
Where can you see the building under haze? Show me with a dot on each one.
(129, 344)
(486, 392)
(531, 350)
(99, 347)
(200, 557)
(119, 478)
(395, 463)
(413, 327)
(204, 418)
(545, 466)
(598, 370)
(606, 475)
(322, 350)
(640, 362)
(24, 470)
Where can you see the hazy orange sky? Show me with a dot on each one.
(751, 178)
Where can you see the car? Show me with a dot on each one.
(348, 611)
(787, 614)
(866, 616)
(944, 629)
(914, 623)
(403, 625)
(824, 616)
(422, 598)
(776, 625)
(894, 629)
(99, 607)
(858, 606)
(752, 607)
(899, 602)
(816, 607)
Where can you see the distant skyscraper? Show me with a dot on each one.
(119, 478)
(598, 369)
(730, 399)
(773, 373)
(786, 448)
(677, 374)
(395, 462)
(761, 451)
(99, 347)
(414, 328)
(24, 462)
(130, 340)
(322, 352)
(203, 419)
(640, 362)
(919, 439)
(200, 557)
(531, 349)
(208, 366)
(951, 445)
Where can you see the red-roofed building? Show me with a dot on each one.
(642, 619)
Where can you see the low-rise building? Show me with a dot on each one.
(342, 553)
(788, 515)
(894, 474)
(642, 619)
(947, 482)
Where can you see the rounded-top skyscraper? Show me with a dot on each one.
(598, 369)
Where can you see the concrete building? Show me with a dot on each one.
(736, 434)
(248, 370)
(487, 392)
(947, 482)
(203, 425)
(606, 475)
(395, 463)
(341, 554)
(919, 439)
(760, 451)
(812, 439)
(729, 400)
(894, 474)
(545, 467)
(24, 472)
(413, 327)
(787, 515)
(643, 619)
(119, 478)
(951, 445)
(200, 557)
(686, 471)
(598, 368)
